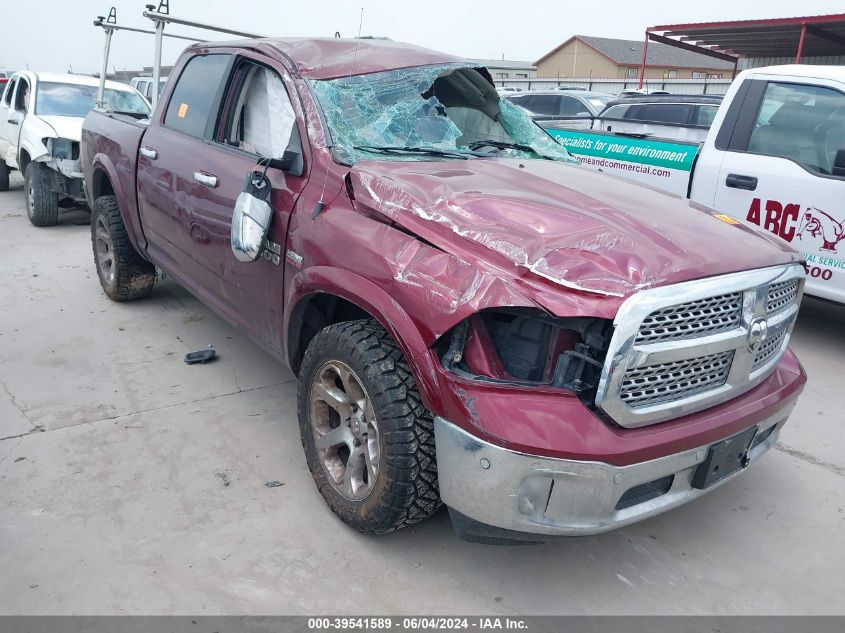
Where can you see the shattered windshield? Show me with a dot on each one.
(447, 110)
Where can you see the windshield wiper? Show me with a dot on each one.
(427, 151)
(502, 145)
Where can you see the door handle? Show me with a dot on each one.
(209, 180)
(148, 152)
(737, 181)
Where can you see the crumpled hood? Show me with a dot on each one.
(69, 127)
(572, 226)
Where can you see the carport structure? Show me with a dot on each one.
(798, 37)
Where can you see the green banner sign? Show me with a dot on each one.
(633, 150)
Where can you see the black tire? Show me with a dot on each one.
(405, 489)
(42, 203)
(124, 274)
(4, 176)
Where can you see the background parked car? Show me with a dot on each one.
(562, 108)
(144, 85)
(40, 128)
(678, 117)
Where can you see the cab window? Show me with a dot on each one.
(803, 123)
(23, 96)
(192, 108)
(260, 119)
(10, 89)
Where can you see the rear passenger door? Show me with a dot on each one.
(779, 173)
(169, 156)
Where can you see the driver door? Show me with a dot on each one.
(257, 123)
(779, 174)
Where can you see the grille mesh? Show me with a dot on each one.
(768, 350)
(692, 319)
(781, 295)
(666, 382)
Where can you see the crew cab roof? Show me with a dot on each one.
(329, 58)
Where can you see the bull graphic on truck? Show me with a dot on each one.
(820, 224)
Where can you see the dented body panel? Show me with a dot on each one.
(468, 262)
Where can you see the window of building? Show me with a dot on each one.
(699, 75)
(502, 75)
(671, 73)
(633, 73)
(714, 75)
(522, 75)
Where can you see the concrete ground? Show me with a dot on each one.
(133, 483)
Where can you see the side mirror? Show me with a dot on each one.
(288, 162)
(839, 163)
(251, 218)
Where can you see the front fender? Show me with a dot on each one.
(33, 131)
(381, 306)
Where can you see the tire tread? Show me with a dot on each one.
(411, 492)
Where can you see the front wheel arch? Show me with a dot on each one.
(350, 292)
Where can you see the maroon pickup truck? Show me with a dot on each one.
(474, 319)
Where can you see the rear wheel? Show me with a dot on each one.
(368, 440)
(42, 203)
(4, 176)
(124, 274)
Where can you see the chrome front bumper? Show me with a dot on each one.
(541, 495)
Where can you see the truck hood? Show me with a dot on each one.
(568, 225)
(69, 127)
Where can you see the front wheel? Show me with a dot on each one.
(124, 274)
(368, 440)
(4, 175)
(42, 202)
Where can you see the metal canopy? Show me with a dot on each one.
(779, 37)
(799, 37)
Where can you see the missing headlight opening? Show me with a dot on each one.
(528, 347)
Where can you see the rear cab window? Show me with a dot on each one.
(195, 102)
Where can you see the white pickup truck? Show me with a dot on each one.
(41, 118)
(774, 158)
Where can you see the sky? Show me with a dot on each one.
(58, 35)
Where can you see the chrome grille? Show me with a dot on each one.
(692, 319)
(665, 382)
(768, 349)
(781, 295)
(682, 348)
